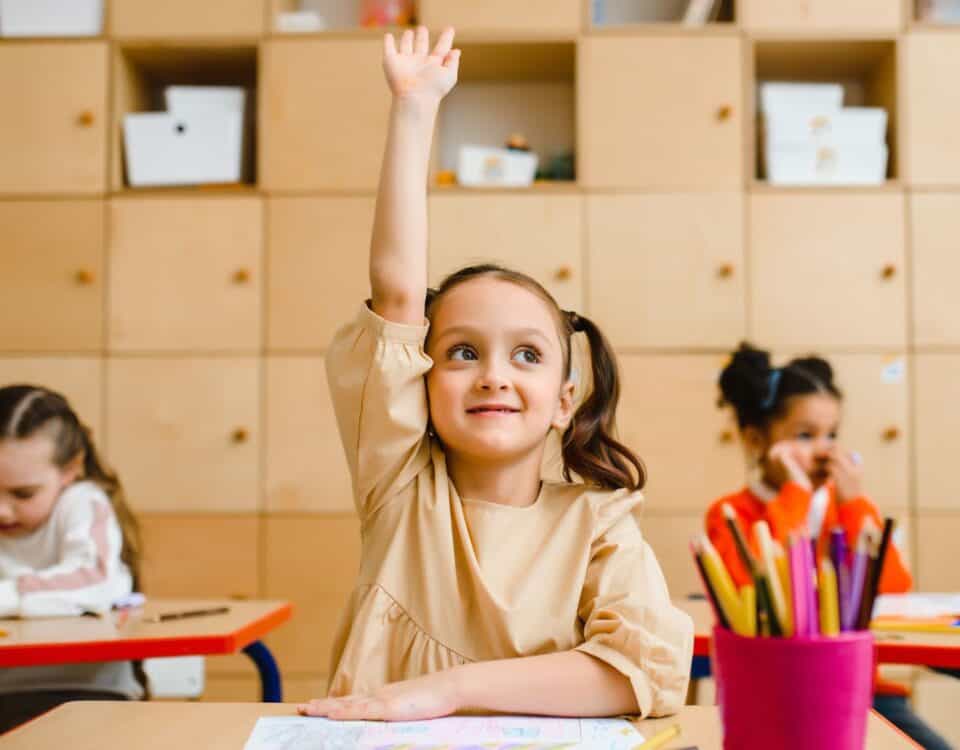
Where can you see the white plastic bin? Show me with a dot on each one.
(850, 125)
(848, 164)
(786, 98)
(51, 17)
(482, 166)
(203, 100)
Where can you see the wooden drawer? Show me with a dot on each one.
(51, 272)
(318, 131)
(184, 432)
(183, 18)
(634, 129)
(668, 414)
(185, 274)
(936, 411)
(937, 551)
(305, 464)
(79, 379)
(317, 268)
(538, 235)
(935, 224)
(329, 548)
(533, 17)
(825, 15)
(827, 271)
(667, 270)
(54, 138)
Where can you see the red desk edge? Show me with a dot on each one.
(125, 649)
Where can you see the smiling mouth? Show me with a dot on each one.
(8, 527)
(483, 410)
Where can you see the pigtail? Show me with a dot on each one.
(589, 449)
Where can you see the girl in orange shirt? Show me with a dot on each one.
(804, 481)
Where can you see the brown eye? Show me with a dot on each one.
(527, 356)
(462, 353)
(24, 494)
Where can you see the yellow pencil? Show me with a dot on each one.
(722, 585)
(659, 739)
(829, 603)
(748, 602)
(783, 574)
(768, 562)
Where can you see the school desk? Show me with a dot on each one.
(126, 636)
(906, 647)
(221, 726)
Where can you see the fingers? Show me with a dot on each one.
(422, 44)
(444, 43)
(348, 708)
(406, 43)
(316, 707)
(452, 61)
(389, 46)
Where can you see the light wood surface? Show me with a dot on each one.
(79, 379)
(144, 18)
(822, 15)
(938, 419)
(934, 226)
(219, 726)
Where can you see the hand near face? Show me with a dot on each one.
(785, 461)
(846, 472)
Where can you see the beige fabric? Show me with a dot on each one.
(446, 580)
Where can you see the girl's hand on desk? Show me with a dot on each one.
(413, 71)
(427, 697)
(846, 473)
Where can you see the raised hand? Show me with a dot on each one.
(412, 70)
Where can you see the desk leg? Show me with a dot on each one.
(271, 690)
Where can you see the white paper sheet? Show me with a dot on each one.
(501, 732)
(919, 606)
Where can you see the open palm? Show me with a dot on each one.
(413, 70)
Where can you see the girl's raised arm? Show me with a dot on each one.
(418, 79)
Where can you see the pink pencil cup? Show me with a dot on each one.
(793, 693)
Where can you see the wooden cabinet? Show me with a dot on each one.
(313, 563)
(323, 114)
(185, 274)
(184, 433)
(669, 535)
(317, 268)
(936, 405)
(827, 270)
(305, 465)
(937, 551)
(667, 270)
(821, 15)
(51, 275)
(53, 134)
(935, 226)
(185, 18)
(635, 131)
(932, 109)
(668, 414)
(533, 17)
(537, 234)
(79, 379)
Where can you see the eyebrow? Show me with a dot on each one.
(470, 330)
(22, 487)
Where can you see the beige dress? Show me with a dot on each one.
(446, 580)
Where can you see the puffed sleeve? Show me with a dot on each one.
(629, 620)
(375, 372)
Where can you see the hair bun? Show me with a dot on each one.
(745, 380)
(815, 366)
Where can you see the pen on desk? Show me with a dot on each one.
(167, 616)
(660, 739)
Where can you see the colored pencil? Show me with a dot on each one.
(829, 603)
(723, 585)
(873, 582)
(718, 612)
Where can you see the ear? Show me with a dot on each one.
(73, 470)
(565, 410)
(754, 440)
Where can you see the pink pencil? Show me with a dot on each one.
(813, 603)
(798, 589)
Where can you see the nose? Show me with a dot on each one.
(491, 379)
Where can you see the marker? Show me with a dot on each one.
(660, 739)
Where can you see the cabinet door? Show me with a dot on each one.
(634, 129)
(329, 548)
(53, 136)
(669, 534)
(179, 18)
(317, 268)
(937, 551)
(537, 234)
(323, 114)
(79, 379)
(184, 432)
(51, 274)
(828, 271)
(936, 405)
(540, 17)
(185, 274)
(667, 270)
(935, 225)
(932, 109)
(305, 465)
(668, 414)
(803, 15)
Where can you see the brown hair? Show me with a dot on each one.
(589, 449)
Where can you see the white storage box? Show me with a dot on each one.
(168, 149)
(850, 125)
(481, 166)
(51, 17)
(849, 164)
(203, 100)
(803, 98)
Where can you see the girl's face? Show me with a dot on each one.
(30, 483)
(497, 384)
(811, 423)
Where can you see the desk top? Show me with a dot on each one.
(907, 647)
(221, 726)
(120, 636)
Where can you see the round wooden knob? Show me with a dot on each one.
(891, 433)
(84, 277)
(241, 276)
(724, 113)
(85, 119)
(888, 271)
(726, 437)
(240, 435)
(564, 273)
(725, 270)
